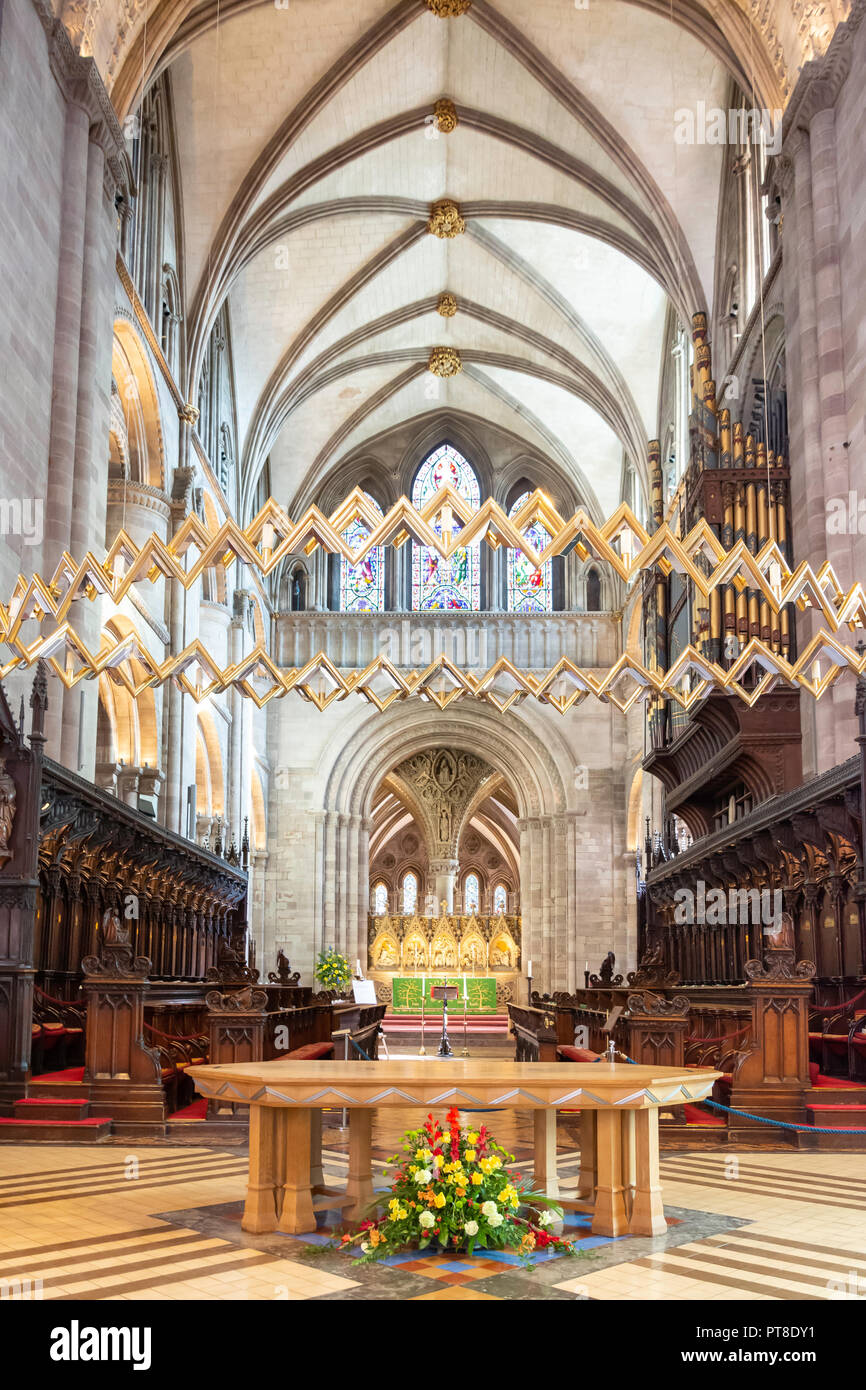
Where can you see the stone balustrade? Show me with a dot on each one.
(472, 640)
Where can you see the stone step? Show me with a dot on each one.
(837, 1116)
(836, 1095)
(91, 1131)
(51, 1108)
(57, 1090)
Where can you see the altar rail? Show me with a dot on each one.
(473, 640)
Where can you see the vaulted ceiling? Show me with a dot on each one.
(310, 157)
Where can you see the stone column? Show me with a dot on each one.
(67, 344)
(173, 707)
(444, 875)
(127, 785)
(238, 775)
(831, 382)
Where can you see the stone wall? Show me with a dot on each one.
(822, 178)
(570, 777)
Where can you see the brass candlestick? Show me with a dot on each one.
(422, 1052)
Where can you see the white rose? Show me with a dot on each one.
(489, 1209)
(426, 1220)
(546, 1218)
(422, 1176)
(365, 1246)
(494, 1220)
(471, 1228)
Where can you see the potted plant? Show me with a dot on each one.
(452, 1191)
(333, 971)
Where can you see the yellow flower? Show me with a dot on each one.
(413, 1169)
(477, 1179)
(472, 1137)
(420, 1153)
(470, 1155)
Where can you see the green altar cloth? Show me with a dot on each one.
(480, 994)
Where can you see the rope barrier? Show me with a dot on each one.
(719, 1037)
(837, 1008)
(763, 1119)
(360, 1049)
(175, 1037)
(778, 1124)
(64, 1003)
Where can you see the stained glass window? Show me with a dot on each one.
(380, 900)
(529, 590)
(438, 583)
(471, 893)
(500, 898)
(410, 893)
(362, 586)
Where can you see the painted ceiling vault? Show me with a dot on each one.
(343, 167)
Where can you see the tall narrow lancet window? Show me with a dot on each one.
(410, 893)
(529, 590)
(456, 582)
(500, 898)
(471, 893)
(362, 586)
(593, 592)
(380, 900)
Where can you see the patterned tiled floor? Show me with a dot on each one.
(164, 1223)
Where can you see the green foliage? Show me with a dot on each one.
(333, 971)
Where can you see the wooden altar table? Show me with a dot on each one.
(619, 1105)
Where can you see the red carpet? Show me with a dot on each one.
(75, 1074)
(196, 1111)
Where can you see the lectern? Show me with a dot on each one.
(444, 992)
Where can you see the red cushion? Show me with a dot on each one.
(35, 1031)
(311, 1052)
(577, 1054)
(836, 1082)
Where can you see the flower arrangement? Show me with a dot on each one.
(333, 971)
(451, 1187)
